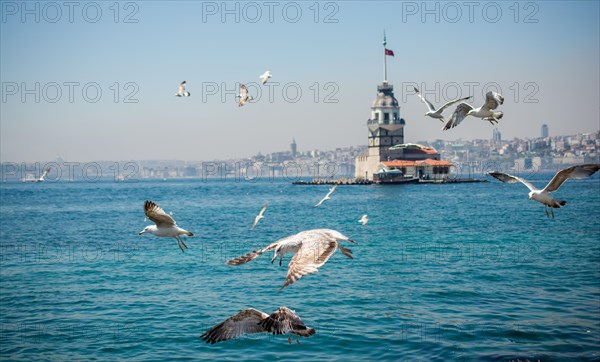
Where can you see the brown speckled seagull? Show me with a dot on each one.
(249, 321)
(312, 249)
(244, 96)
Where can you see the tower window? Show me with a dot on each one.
(376, 116)
(386, 118)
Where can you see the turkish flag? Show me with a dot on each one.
(389, 52)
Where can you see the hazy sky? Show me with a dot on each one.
(543, 56)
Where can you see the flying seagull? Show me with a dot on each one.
(259, 216)
(265, 77)
(364, 220)
(182, 92)
(327, 197)
(244, 97)
(431, 109)
(312, 249)
(165, 226)
(543, 196)
(485, 112)
(249, 321)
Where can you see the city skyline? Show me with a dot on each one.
(130, 59)
(541, 153)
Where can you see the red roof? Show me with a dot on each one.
(426, 162)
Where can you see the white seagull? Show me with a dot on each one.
(312, 249)
(244, 97)
(259, 216)
(165, 226)
(327, 197)
(431, 109)
(543, 196)
(364, 220)
(249, 321)
(485, 112)
(265, 77)
(182, 92)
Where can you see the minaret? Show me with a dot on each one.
(386, 128)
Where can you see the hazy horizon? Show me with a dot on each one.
(543, 56)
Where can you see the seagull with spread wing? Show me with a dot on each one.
(165, 226)
(431, 109)
(244, 97)
(250, 321)
(327, 197)
(259, 216)
(364, 220)
(543, 196)
(182, 92)
(265, 77)
(485, 112)
(312, 249)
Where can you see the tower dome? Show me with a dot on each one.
(385, 97)
(385, 108)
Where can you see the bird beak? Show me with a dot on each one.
(141, 232)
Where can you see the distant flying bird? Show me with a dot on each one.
(364, 220)
(249, 321)
(485, 112)
(431, 109)
(244, 97)
(259, 216)
(312, 249)
(327, 197)
(265, 77)
(165, 225)
(543, 196)
(182, 92)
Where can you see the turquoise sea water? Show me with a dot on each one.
(441, 272)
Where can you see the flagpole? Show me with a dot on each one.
(384, 59)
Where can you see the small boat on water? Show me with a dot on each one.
(30, 178)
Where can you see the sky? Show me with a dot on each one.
(90, 81)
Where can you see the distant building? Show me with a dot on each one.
(294, 148)
(545, 132)
(496, 136)
(190, 171)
